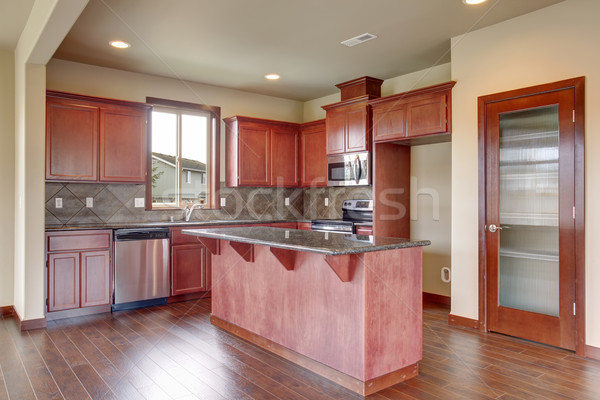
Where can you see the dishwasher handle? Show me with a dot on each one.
(122, 235)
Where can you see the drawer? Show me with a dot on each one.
(79, 240)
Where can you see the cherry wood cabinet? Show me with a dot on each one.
(416, 117)
(261, 152)
(312, 156)
(123, 144)
(71, 140)
(348, 126)
(94, 139)
(95, 278)
(284, 156)
(79, 266)
(190, 271)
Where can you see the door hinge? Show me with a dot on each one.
(573, 212)
(573, 116)
(574, 309)
(47, 301)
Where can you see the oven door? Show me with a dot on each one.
(348, 170)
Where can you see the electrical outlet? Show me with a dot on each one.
(223, 201)
(287, 234)
(139, 202)
(326, 201)
(287, 201)
(89, 202)
(58, 202)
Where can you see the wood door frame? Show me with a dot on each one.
(578, 86)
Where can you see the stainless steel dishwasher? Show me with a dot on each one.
(141, 276)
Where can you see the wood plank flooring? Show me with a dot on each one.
(173, 352)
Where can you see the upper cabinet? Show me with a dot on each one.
(313, 160)
(348, 123)
(416, 117)
(261, 152)
(93, 139)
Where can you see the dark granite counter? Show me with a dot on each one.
(167, 224)
(327, 243)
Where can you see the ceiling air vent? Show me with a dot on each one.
(358, 39)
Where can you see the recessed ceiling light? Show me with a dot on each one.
(119, 44)
(272, 77)
(472, 2)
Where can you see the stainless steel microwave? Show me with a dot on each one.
(349, 169)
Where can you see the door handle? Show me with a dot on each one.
(493, 228)
(357, 169)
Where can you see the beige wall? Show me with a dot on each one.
(430, 170)
(7, 176)
(555, 43)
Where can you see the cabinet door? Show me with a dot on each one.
(71, 141)
(253, 157)
(313, 157)
(426, 115)
(284, 157)
(123, 145)
(190, 269)
(63, 281)
(389, 123)
(357, 129)
(95, 278)
(336, 131)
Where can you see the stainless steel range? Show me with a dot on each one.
(353, 212)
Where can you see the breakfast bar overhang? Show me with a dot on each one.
(347, 307)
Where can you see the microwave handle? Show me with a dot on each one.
(356, 168)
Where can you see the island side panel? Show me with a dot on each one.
(394, 310)
(308, 309)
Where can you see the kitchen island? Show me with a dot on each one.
(348, 307)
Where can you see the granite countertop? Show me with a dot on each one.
(327, 243)
(167, 224)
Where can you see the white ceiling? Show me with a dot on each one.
(234, 43)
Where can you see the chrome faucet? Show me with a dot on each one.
(189, 208)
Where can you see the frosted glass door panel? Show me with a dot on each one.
(529, 274)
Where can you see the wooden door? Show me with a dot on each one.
(284, 157)
(313, 157)
(358, 132)
(95, 278)
(123, 145)
(254, 163)
(426, 115)
(63, 281)
(190, 271)
(71, 141)
(336, 131)
(530, 217)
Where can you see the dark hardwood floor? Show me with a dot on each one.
(173, 352)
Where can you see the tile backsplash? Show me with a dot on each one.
(115, 204)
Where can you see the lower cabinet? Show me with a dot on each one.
(78, 269)
(190, 272)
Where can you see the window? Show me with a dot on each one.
(184, 147)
